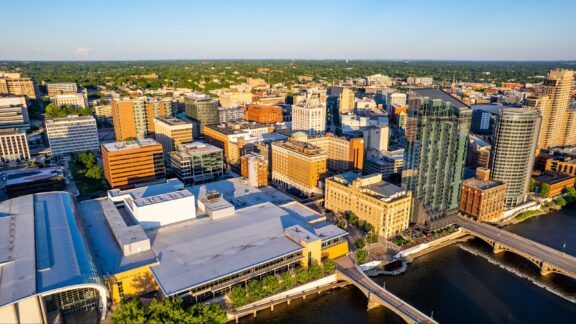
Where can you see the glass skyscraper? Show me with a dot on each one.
(436, 132)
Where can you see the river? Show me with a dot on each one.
(460, 284)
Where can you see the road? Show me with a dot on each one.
(535, 249)
(347, 267)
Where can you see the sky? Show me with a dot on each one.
(274, 29)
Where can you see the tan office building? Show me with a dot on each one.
(554, 105)
(254, 167)
(134, 118)
(343, 154)
(13, 83)
(483, 198)
(61, 88)
(298, 165)
(13, 145)
(346, 100)
(129, 163)
(385, 206)
(171, 131)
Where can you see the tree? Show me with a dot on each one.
(329, 266)
(368, 227)
(255, 290)
(571, 193)
(532, 185)
(545, 189)
(372, 238)
(271, 285)
(238, 296)
(301, 276)
(168, 311)
(315, 271)
(560, 201)
(212, 313)
(129, 312)
(361, 243)
(287, 280)
(362, 256)
(94, 172)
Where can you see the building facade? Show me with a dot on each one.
(197, 162)
(13, 145)
(483, 198)
(436, 134)
(14, 116)
(554, 184)
(134, 118)
(346, 100)
(310, 119)
(512, 156)
(383, 205)
(61, 88)
(554, 106)
(254, 167)
(171, 131)
(129, 163)
(298, 165)
(72, 134)
(343, 154)
(264, 114)
(14, 84)
(202, 109)
(231, 114)
(78, 100)
(386, 163)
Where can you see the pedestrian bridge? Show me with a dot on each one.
(348, 271)
(546, 258)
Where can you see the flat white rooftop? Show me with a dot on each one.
(129, 145)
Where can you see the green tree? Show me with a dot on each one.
(95, 172)
(368, 227)
(287, 280)
(271, 285)
(372, 238)
(545, 189)
(560, 201)
(213, 314)
(362, 256)
(353, 219)
(532, 185)
(571, 193)
(53, 111)
(301, 276)
(361, 243)
(239, 296)
(315, 271)
(129, 312)
(329, 266)
(168, 311)
(255, 290)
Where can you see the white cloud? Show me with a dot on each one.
(82, 51)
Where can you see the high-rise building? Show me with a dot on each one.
(129, 163)
(231, 114)
(376, 138)
(396, 98)
(62, 88)
(14, 115)
(310, 119)
(554, 105)
(14, 84)
(346, 100)
(72, 134)
(78, 100)
(298, 165)
(171, 131)
(254, 167)
(134, 118)
(202, 109)
(483, 198)
(197, 162)
(264, 114)
(436, 133)
(13, 145)
(513, 150)
(383, 205)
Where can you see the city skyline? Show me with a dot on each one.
(368, 30)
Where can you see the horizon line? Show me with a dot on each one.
(573, 61)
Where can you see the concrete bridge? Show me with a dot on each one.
(348, 271)
(546, 258)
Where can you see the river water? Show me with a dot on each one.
(464, 283)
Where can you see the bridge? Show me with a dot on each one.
(348, 271)
(546, 258)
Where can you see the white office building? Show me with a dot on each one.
(72, 134)
(13, 145)
(78, 100)
(310, 119)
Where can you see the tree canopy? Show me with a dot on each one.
(168, 311)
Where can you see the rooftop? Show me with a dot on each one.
(70, 118)
(372, 185)
(42, 246)
(231, 128)
(32, 174)
(481, 184)
(129, 145)
(553, 178)
(195, 148)
(441, 95)
(172, 121)
(301, 147)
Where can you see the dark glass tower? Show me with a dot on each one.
(435, 155)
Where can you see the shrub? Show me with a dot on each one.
(362, 256)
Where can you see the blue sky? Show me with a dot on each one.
(217, 29)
